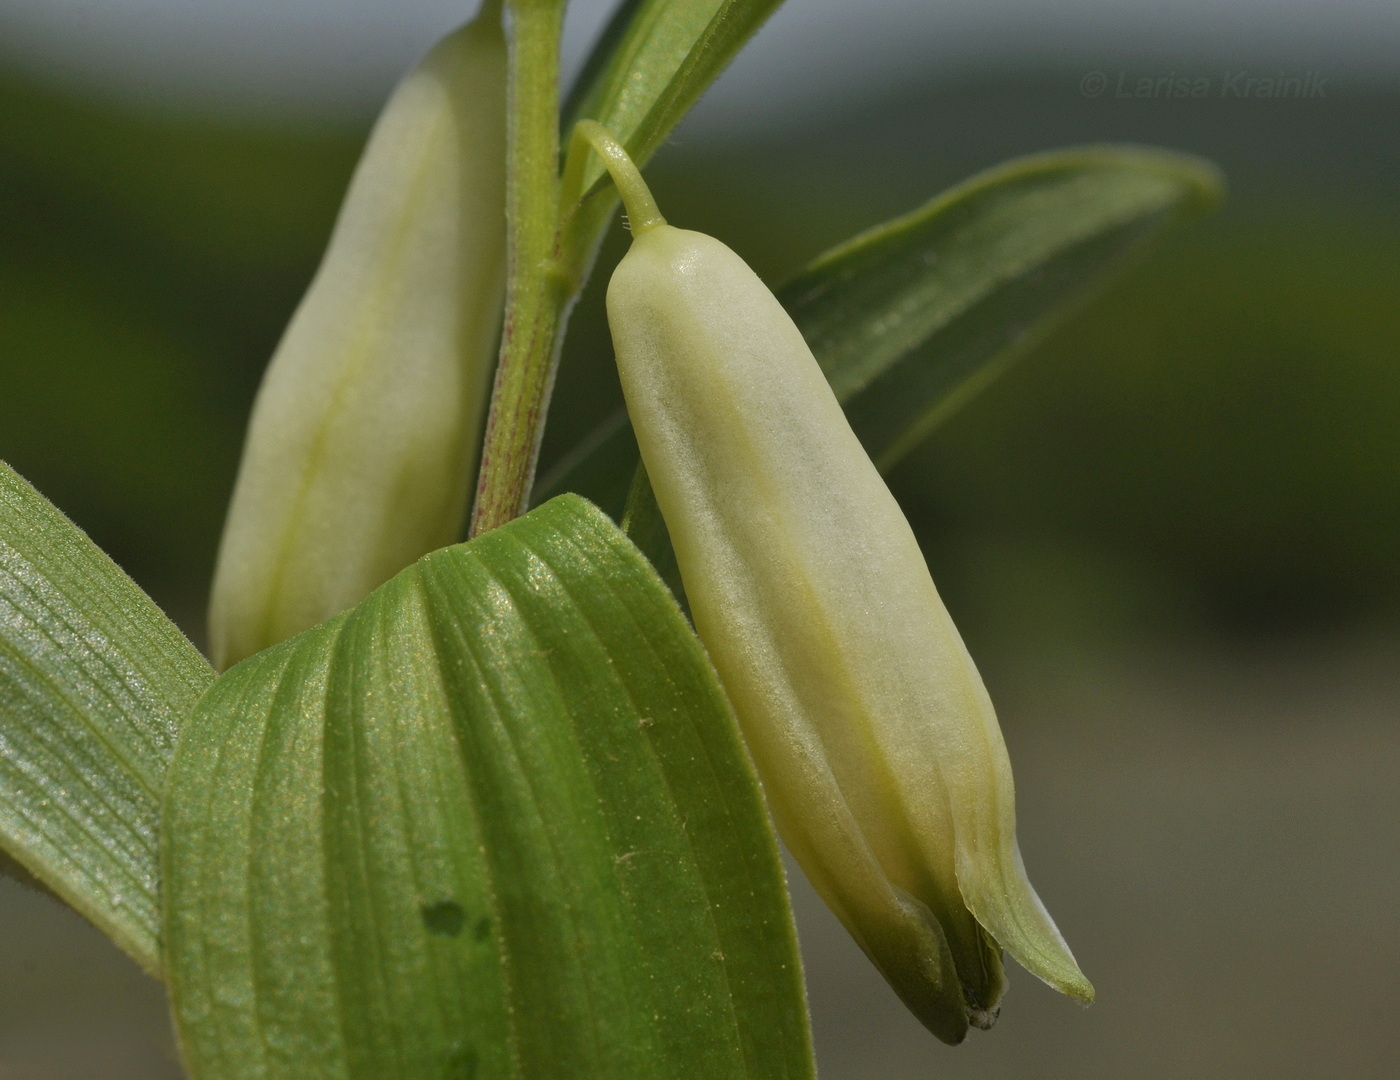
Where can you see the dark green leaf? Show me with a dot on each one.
(495, 822)
(909, 319)
(642, 522)
(94, 684)
(601, 466)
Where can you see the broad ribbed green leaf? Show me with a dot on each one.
(910, 318)
(495, 822)
(94, 684)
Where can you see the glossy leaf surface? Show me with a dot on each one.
(94, 684)
(496, 821)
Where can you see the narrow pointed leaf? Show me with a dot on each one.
(909, 319)
(729, 29)
(94, 684)
(653, 62)
(495, 822)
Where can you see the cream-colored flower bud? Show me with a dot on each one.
(360, 447)
(876, 743)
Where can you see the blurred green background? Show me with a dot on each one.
(1171, 535)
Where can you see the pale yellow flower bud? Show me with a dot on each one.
(360, 447)
(876, 742)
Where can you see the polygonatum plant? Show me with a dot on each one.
(505, 808)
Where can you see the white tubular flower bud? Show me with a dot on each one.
(362, 438)
(876, 742)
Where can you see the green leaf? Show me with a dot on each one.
(495, 822)
(94, 684)
(633, 26)
(910, 319)
(652, 64)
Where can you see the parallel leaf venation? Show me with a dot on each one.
(495, 819)
(95, 682)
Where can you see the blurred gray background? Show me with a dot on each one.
(1171, 535)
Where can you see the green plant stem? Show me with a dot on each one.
(536, 297)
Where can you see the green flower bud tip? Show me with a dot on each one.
(359, 453)
(875, 740)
